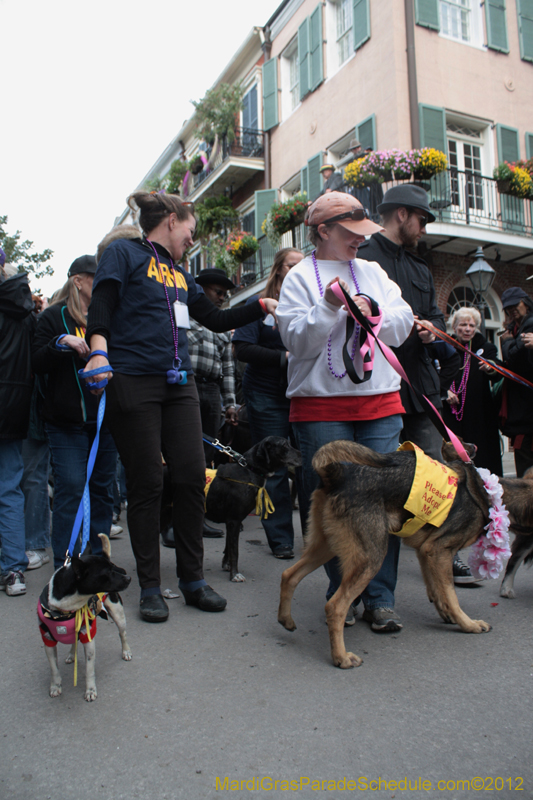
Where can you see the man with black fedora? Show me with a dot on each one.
(405, 212)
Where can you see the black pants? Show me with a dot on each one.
(147, 417)
(210, 413)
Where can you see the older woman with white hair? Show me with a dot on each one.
(471, 411)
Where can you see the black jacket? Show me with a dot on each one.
(66, 401)
(414, 279)
(517, 408)
(16, 330)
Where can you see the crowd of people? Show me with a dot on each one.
(135, 318)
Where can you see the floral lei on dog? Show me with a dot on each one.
(489, 554)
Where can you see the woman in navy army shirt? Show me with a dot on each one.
(139, 315)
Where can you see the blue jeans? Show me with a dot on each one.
(381, 435)
(12, 533)
(268, 415)
(34, 484)
(69, 450)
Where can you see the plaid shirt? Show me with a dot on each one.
(212, 358)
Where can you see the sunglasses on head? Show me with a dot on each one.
(356, 215)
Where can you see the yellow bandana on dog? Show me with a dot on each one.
(432, 492)
(209, 478)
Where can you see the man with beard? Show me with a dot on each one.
(405, 212)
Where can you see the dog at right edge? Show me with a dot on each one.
(360, 500)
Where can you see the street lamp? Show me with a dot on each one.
(480, 275)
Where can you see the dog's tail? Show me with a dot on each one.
(348, 452)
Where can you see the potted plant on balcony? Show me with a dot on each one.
(178, 170)
(515, 178)
(361, 173)
(241, 246)
(428, 162)
(284, 217)
(214, 215)
(218, 111)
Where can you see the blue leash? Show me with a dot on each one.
(84, 508)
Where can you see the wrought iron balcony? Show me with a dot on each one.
(465, 198)
(248, 144)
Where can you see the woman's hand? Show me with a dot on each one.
(80, 346)
(96, 363)
(332, 298)
(527, 340)
(363, 305)
(271, 305)
(452, 398)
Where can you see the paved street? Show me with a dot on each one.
(234, 695)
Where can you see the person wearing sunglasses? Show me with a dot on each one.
(325, 403)
(140, 308)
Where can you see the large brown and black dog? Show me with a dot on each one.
(359, 501)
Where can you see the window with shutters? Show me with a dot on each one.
(344, 38)
(195, 263)
(290, 79)
(339, 22)
(461, 20)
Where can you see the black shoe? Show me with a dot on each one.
(212, 533)
(284, 551)
(204, 598)
(154, 608)
(167, 538)
(461, 573)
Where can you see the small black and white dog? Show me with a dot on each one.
(90, 585)
(232, 494)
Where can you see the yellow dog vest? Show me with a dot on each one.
(432, 492)
(263, 503)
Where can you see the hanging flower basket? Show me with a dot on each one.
(241, 246)
(429, 162)
(196, 165)
(284, 217)
(504, 187)
(515, 178)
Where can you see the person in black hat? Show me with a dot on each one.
(69, 412)
(214, 369)
(517, 351)
(405, 212)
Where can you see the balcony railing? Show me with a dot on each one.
(248, 143)
(465, 198)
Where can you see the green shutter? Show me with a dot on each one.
(270, 94)
(427, 14)
(361, 22)
(529, 145)
(366, 132)
(496, 25)
(303, 57)
(304, 183)
(525, 28)
(316, 48)
(508, 146)
(432, 127)
(314, 178)
(264, 200)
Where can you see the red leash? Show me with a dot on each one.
(369, 325)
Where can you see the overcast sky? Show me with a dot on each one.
(92, 93)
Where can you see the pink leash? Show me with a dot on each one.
(372, 326)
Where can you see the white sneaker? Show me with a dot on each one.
(116, 530)
(37, 558)
(13, 583)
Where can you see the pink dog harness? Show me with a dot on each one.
(57, 627)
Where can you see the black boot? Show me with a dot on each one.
(168, 537)
(212, 533)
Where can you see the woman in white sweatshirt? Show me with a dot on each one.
(325, 404)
